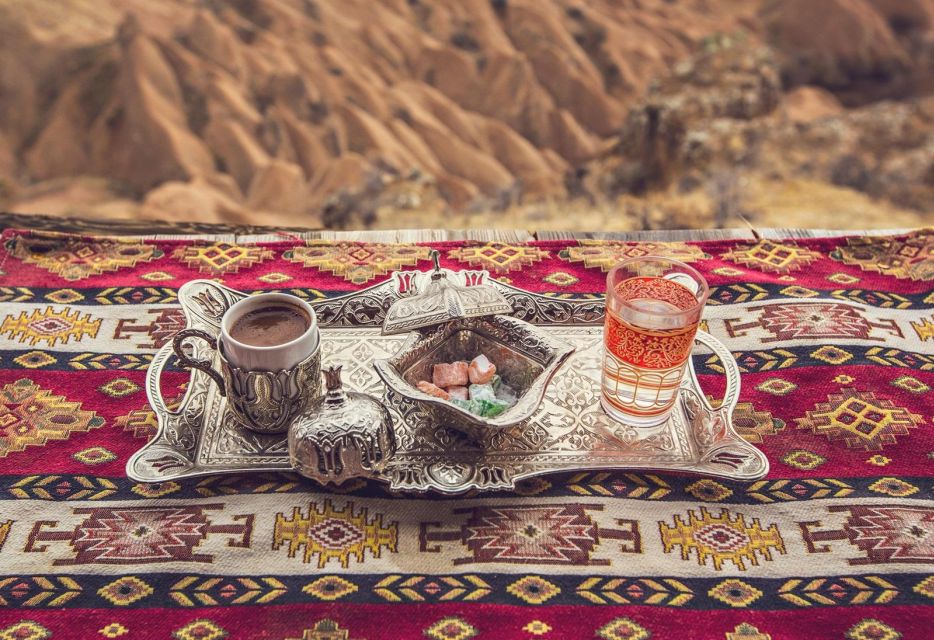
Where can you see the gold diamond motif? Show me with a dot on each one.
(356, 262)
(221, 258)
(157, 276)
(200, 630)
(772, 257)
(842, 278)
(119, 388)
(329, 588)
(64, 296)
(35, 360)
(895, 487)
(331, 533)
(910, 384)
(709, 490)
(803, 460)
(498, 257)
(860, 419)
(274, 278)
(721, 538)
(608, 253)
(125, 591)
(94, 456)
(831, 355)
(623, 629)
(561, 279)
(728, 272)
(735, 593)
(533, 589)
(878, 460)
(537, 628)
(49, 326)
(844, 379)
(870, 629)
(113, 630)
(451, 628)
(25, 630)
(797, 291)
(776, 387)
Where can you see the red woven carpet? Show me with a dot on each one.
(836, 341)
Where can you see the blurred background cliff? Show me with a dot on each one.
(588, 114)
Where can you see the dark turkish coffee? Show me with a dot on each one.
(270, 326)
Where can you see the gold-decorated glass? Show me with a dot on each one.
(653, 307)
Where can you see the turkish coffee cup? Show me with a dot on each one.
(270, 359)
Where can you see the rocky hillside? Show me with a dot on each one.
(389, 112)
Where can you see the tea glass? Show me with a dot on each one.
(653, 308)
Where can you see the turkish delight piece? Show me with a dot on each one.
(482, 392)
(450, 375)
(481, 370)
(482, 408)
(461, 393)
(473, 406)
(433, 390)
(492, 408)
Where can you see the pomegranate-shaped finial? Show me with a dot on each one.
(332, 377)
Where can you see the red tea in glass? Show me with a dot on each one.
(653, 307)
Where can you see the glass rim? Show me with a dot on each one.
(701, 296)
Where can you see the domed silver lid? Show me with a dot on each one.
(441, 301)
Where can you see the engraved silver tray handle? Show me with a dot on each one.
(712, 434)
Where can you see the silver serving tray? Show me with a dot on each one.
(568, 432)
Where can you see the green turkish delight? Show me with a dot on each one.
(482, 408)
(482, 392)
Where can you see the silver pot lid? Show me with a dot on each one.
(441, 301)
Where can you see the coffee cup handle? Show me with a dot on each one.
(201, 365)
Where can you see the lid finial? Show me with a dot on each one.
(435, 256)
(332, 377)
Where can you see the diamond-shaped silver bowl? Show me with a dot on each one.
(525, 357)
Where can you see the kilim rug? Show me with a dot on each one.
(835, 337)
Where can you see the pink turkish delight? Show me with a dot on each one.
(450, 375)
(433, 390)
(461, 393)
(481, 370)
